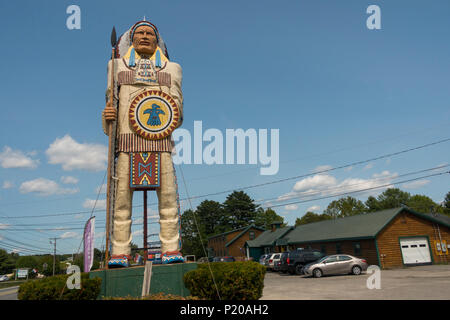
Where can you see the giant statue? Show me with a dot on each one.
(144, 105)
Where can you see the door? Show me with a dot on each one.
(344, 264)
(330, 265)
(415, 250)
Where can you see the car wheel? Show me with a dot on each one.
(356, 270)
(317, 273)
(299, 269)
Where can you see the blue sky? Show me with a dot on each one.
(337, 91)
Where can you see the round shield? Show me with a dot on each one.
(154, 114)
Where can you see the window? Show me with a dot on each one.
(331, 259)
(317, 254)
(344, 258)
(323, 249)
(251, 235)
(414, 246)
(338, 248)
(357, 248)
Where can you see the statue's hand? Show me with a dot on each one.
(110, 113)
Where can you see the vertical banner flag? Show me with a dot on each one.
(88, 239)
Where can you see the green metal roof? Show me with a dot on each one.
(363, 226)
(268, 238)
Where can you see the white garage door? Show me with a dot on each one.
(415, 250)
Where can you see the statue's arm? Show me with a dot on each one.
(109, 112)
(175, 88)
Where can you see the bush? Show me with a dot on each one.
(155, 296)
(54, 288)
(235, 280)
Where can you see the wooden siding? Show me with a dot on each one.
(368, 249)
(408, 225)
(218, 243)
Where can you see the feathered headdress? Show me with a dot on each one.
(126, 50)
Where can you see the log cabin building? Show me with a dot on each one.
(389, 238)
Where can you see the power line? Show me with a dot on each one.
(357, 191)
(261, 184)
(295, 195)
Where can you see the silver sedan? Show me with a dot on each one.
(336, 264)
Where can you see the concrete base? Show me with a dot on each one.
(125, 282)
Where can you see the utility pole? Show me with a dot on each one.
(54, 253)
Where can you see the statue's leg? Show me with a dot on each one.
(168, 210)
(121, 238)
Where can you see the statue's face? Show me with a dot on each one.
(144, 40)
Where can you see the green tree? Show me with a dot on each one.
(264, 218)
(190, 237)
(423, 204)
(390, 198)
(6, 262)
(47, 260)
(211, 218)
(28, 262)
(345, 207)
(446, 204)
(240, 210)
(311, 217)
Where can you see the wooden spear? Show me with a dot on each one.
(111, 147)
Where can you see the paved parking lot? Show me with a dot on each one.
(422, 282)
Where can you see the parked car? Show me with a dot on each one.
(4, 278)
(271, 260)
(297, 259)
(283, 266)
(336, 264)
(262, 259)
(224, 259)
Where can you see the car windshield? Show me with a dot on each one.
(323, 258)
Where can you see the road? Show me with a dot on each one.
(9, 293)
(422, 283)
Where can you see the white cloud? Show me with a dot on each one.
(322, 168)
(384, 174)
(317, 181)
(139, 232)
(68, 235)
(100, 234)
(90, 203)
(348, 169)
(368, 166)
(45, 187)
(416, 184)
(291, 207)
(7, 185)
(138, 221)
(4, 226)
(313, 208)
(326, 185)
(101, 189)
(73, 155)
(69, 180)
(10, 158)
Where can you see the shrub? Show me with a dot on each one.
(155, 296)
(54, 288)
(235, 280)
